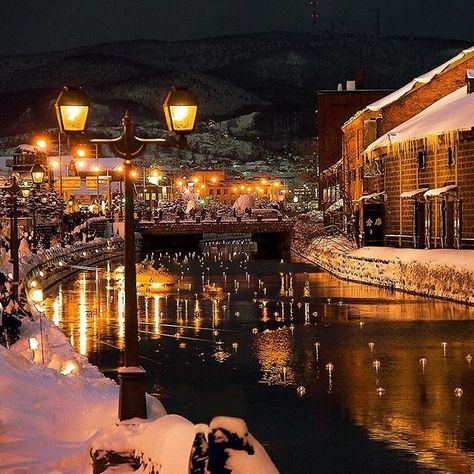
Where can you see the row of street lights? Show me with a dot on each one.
(72, 112)
(14, 190)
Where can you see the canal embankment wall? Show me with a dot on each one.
(51, 266)
(445, 273)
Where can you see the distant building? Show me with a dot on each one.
(379, 119)
(335, 107)
(23, 159)
(330, 182)
(223, 188)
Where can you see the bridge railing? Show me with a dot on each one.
(208, 220)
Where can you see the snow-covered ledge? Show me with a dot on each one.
(438, 273)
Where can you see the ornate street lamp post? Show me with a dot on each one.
(13, 191)
(37, 176)
(180, 109)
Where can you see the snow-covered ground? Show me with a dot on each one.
(442, 273)
(460, 259)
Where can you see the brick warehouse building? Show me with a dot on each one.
(379, 118)
(334, 108)
(427, 187)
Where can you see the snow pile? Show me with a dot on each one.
(312, 216)
(48, 419)
(444, 273)
(243, 202)
(248, 455)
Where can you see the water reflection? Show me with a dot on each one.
(261, 331)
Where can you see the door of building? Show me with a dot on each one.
(447, 223)
(419, 224)
(374, 224)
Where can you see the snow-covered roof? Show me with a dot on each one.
(413, 193)
(440, 191)
(452, 112)
(423, 79)
(368, 197)
(333, 168)
(25, 148)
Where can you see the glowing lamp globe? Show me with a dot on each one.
(37, 173)
(180, 108)
(25, 192)
(72, 109)
(37, 295)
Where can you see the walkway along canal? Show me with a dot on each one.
(330, 376)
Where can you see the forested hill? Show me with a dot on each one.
(278, 73)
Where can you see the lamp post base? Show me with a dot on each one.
(132, 398)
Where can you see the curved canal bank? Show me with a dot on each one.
(444, 273)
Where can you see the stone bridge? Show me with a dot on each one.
(273, 236)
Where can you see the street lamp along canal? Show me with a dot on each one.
(180, 108)
(37, 176)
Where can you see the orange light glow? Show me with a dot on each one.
(54, 164)
(42, 143)
(81, 153)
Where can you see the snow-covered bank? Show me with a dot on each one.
(443, 273)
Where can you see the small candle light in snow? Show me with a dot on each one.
(458, 392)
(444, 345)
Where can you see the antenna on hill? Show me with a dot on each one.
(314, 4)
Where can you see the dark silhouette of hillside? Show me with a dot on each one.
(275, 73)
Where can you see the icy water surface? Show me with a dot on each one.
(332, 377)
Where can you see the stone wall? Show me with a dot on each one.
(427, 279)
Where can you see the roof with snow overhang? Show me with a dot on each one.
(453, 112)
(423, 79)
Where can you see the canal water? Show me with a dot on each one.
(331, 376)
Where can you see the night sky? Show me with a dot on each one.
(39, 25)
